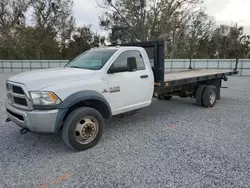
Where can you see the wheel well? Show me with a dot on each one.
(93, 103)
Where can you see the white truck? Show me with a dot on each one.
(98, 84)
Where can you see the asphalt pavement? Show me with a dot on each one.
(168, 144)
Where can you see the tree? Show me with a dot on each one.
(126, 19)
(11, 20)
(198, 31)
(83, 39)
(185, 27)
(229, 42)
(47, 35)
(141, 20)
(53, 21)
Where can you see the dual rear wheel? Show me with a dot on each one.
(206, 95)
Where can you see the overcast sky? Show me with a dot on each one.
(224, 11)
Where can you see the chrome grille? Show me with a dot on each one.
(17, 97)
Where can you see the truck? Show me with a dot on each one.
(76, 100)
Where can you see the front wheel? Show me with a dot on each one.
(83, 128)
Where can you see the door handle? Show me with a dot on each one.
(144, 76)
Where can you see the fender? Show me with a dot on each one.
(75, 98)
(81, 96)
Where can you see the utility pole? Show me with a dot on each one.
(235, 46)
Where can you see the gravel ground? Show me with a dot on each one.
(169, 144)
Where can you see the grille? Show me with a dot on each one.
(20, 101)
(16, 96)
(18, 90)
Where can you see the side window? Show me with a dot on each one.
(121, 60)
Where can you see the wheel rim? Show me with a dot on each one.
(86, 130)
(212, 97)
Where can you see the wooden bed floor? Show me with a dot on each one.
(170, 76)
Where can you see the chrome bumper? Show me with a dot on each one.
(35, 121)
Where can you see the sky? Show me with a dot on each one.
(224, 12)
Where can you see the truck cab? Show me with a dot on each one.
(76, 98)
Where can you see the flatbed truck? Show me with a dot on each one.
(101, 83)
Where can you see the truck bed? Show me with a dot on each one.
(169, 76)
(194, 75)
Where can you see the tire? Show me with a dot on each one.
(81, 124)
(199, 93)
(209, 96)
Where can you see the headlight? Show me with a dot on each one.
(44, 98)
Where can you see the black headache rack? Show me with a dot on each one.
(155, 51)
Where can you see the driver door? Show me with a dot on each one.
(128, 90)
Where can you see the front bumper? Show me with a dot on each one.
(35, 121)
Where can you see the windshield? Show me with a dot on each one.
(91, 59)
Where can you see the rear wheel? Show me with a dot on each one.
(83, 128)
(209, 96)
(199, 93)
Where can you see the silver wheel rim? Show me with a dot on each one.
(86, 130)
(212, 97)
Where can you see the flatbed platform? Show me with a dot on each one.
(170, 76)
(194, 75)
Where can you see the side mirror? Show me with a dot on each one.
(131, 63)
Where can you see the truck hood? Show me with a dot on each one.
(39, 79)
